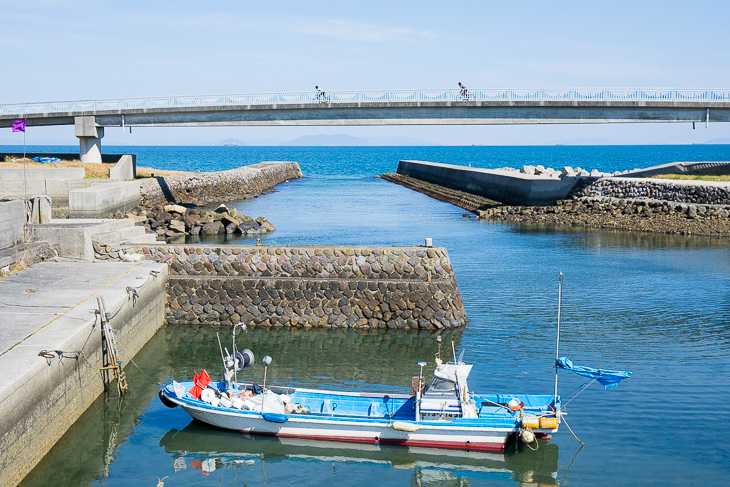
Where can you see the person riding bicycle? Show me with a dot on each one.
(463, 91)
(320, 95)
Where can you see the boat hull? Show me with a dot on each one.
(360, 417)
(427, 435)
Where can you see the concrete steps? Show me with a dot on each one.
(73, 237)
(127, 234)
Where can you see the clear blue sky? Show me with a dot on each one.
(69, 50)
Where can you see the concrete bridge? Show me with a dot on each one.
(387, 107)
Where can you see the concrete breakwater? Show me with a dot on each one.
(329, 287)
(216, 187)
(509, 187)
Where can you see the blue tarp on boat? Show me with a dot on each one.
(609, 378)
(46, 159)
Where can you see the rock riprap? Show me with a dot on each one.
(175, 220)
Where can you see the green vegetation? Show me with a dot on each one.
(695, 177)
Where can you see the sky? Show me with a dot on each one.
(75, 50)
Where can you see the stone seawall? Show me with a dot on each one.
(216, 187)
(677, 191)
(332, 287)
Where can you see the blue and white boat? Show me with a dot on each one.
(442, 413)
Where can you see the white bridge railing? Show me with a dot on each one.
(491, 94)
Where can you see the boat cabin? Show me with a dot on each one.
(447, 395)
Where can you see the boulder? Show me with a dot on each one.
(265, 224)
(251, 228)
(175, 209)
(189, 220)
(212, 228)
(221, 209)
(228, 219)
(231, 228)
(178, 226)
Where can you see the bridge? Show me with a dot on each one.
(385, 107)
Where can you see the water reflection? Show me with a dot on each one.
(615, 238)
(339, 359)
(199, 447)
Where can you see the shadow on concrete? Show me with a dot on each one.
(165, 189)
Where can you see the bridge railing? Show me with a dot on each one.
(373, 96)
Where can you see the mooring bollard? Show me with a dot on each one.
(429, 242)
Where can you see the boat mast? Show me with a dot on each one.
(557, 340)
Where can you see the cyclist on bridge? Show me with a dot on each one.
(320, 95)
(463, 91)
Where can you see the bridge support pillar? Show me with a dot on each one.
(89, 139)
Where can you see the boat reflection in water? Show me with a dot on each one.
(198, 446)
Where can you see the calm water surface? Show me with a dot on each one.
(656, 305)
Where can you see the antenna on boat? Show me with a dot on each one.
(557, 340)
(453, 351)
(223, 359)
(438, 340)
(238, 360)
(267, 362)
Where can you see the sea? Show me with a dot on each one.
(656, 305)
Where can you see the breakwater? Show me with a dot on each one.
(648, 205)
(323, 286)
(510, 187)
(216, 187)
(677, 207)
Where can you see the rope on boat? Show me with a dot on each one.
(579, 392)
(142, 372)
(571, 432)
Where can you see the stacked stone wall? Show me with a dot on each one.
(680, 191)
(332, 287)
(216, 187)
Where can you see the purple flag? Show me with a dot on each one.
(19, 126)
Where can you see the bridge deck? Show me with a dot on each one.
(400, 107)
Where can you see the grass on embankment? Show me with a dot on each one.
(695, 177)
(93, 170)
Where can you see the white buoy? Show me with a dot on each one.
(527, 436)
(429, 242)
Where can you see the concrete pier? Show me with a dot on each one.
(51, 309)
(90, 136)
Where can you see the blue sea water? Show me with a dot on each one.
(653, 304)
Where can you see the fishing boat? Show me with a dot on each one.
(441, 412)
